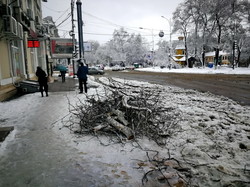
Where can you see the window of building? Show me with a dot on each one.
(17, 57)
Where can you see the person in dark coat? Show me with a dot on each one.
(63, 73)
(82, 77)
(42, 80)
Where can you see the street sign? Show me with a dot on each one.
(87, 47)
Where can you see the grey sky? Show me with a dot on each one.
(101, 17)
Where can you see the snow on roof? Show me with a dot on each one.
(213, 53)
(179, 59)
(179, 55)
(180, 47)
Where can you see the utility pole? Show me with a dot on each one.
(80, 25)
(234, 35)
(72, 34)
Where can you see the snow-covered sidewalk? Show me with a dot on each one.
(211, 138)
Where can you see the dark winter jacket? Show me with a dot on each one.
(82, 72)
(42, 77)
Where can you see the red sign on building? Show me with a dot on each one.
(33, 43)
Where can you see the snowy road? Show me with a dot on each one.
(219, 84)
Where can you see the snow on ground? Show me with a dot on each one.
(206, 70)
(211, 137)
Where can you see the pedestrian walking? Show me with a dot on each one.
(82, 77)
(63, 73)
(42, 80)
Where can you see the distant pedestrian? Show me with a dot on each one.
(42, 80)
(63, 73)
(82, 77)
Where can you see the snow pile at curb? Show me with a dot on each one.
(206, 70)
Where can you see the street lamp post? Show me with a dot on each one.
(152, 33)
(170, 35)
(153, 43)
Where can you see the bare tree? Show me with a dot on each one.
(215, 15)
(194, 7)
(215, 21)
(201, 16)
(182, 22)
(134, 49)
(161, 55)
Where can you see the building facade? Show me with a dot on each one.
(20, 22)
(223, 58)
(180, 52)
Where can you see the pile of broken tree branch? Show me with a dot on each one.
(126, 111)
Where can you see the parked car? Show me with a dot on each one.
(136, 65)
(129, 67)
(117, 68)
(95, 71)
(100, 66)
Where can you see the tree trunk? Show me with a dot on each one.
(203, 55)
(120, 116)
(204, 45)
(196, 39)
(186, 48)
(218, 42)
(118, 126)
(238, 57)
(217, 51)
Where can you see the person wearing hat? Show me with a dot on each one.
(82, 77)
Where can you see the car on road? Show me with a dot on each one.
(100, 66)
(129, 67)
(95, 71)
(118, 68)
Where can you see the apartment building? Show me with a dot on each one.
(22, 43)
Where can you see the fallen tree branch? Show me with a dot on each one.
(118, 126)
(120, 116)
(125, 104)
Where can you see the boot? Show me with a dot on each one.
(42, 94)
(47, 94)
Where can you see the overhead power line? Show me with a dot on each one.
(66, 24)
(68, 16)
(110, 23)
(58, 11)
(101, 19)
(62, 15)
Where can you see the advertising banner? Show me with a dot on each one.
(61, 48)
